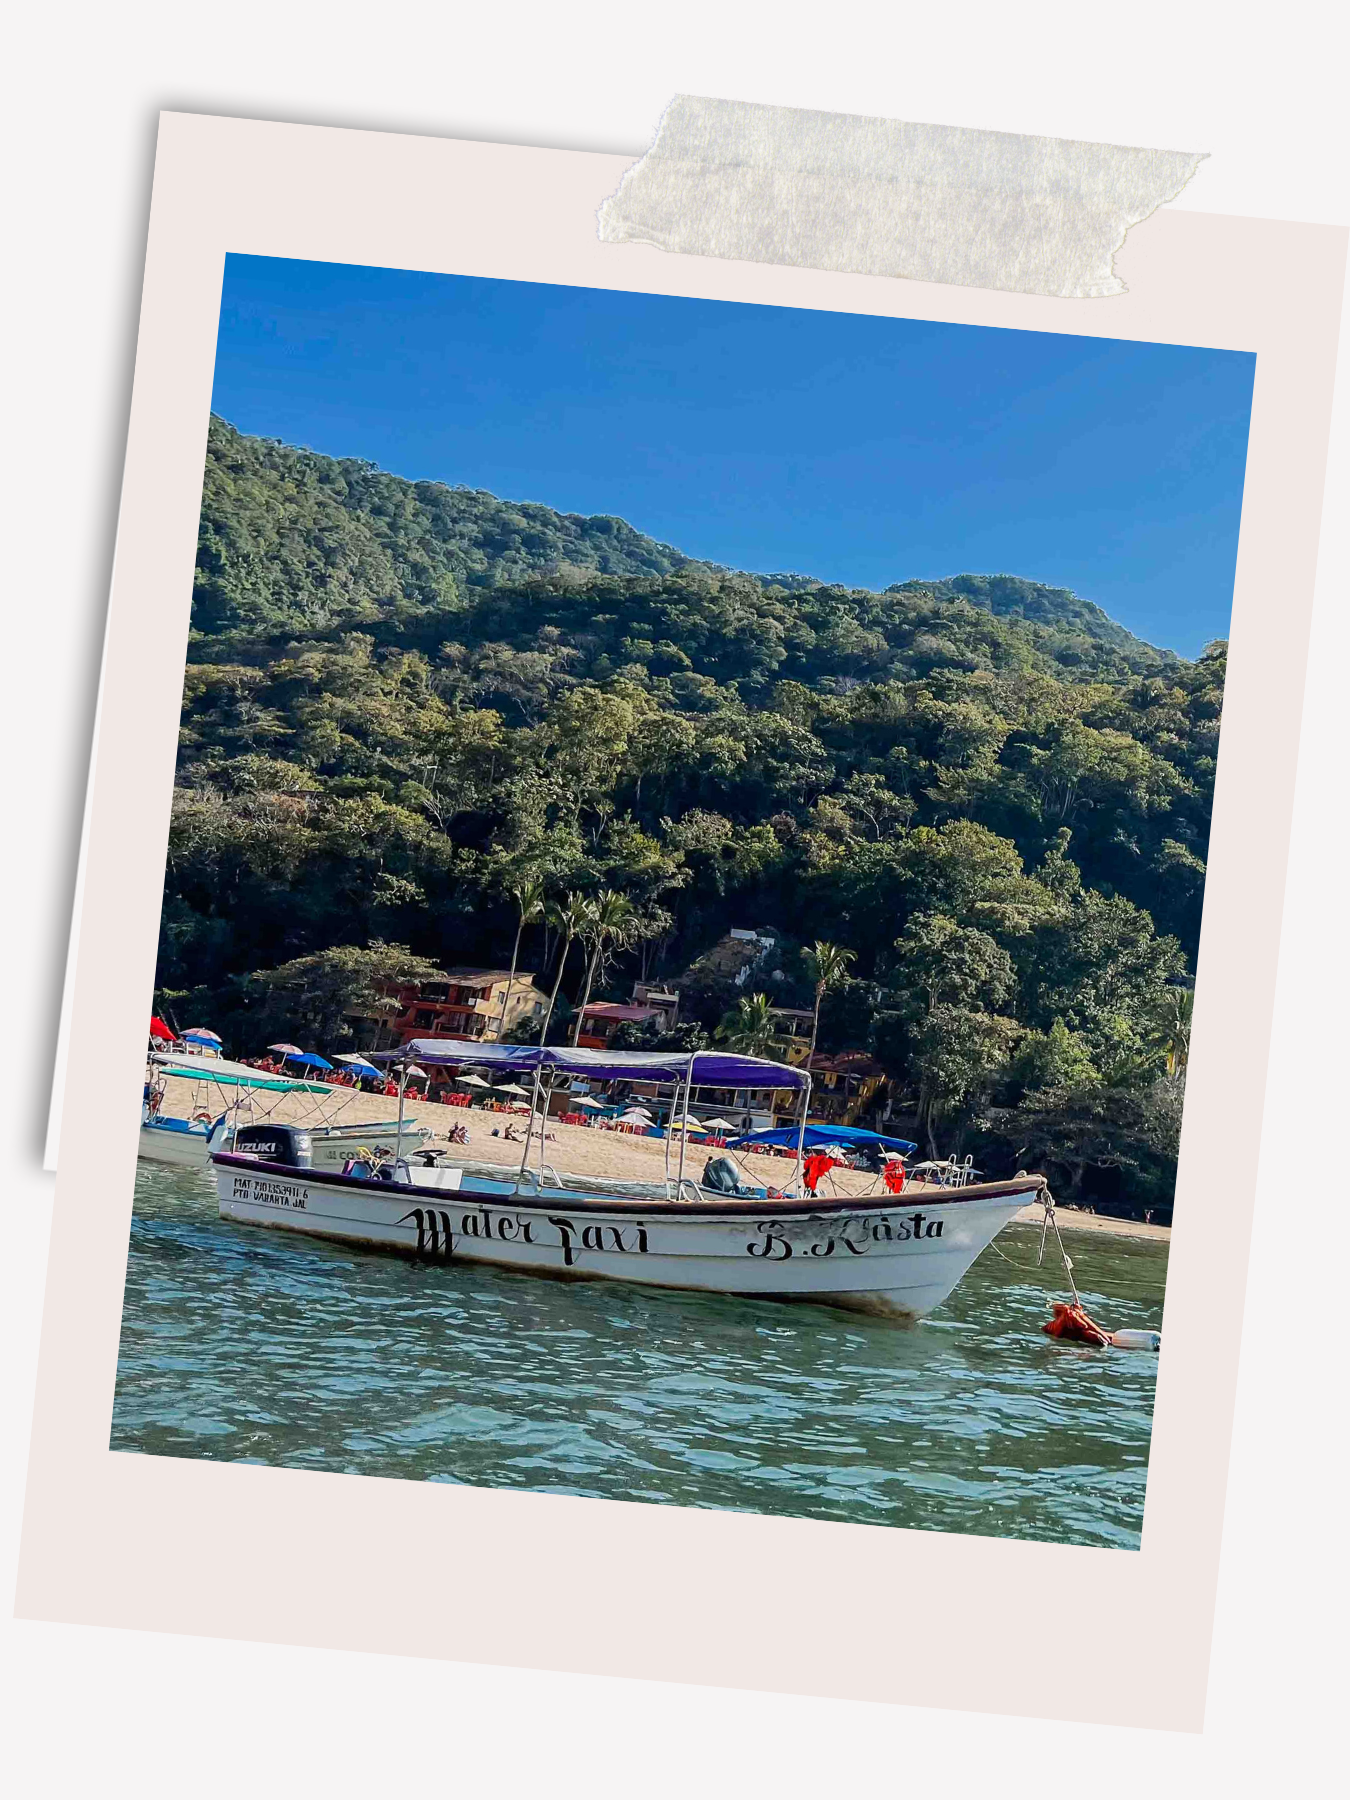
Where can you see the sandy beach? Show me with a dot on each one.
(582, 1149)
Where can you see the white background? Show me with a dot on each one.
(1258, 86)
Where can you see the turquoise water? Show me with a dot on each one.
(246, 1345)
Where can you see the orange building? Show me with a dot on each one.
(461, 1003)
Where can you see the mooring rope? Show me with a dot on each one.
(1048, 1204)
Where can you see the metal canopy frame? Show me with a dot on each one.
(679, 1072)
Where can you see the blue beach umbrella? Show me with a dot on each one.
(359, 1066)
(308, 1060)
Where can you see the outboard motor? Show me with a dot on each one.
(721, 1175)
(285, 1144)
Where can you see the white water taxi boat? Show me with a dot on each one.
(226, 1095)
(895, 1254)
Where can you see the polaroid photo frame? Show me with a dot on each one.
(609, 1587)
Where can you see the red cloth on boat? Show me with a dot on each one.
(816, 1165)
(894, 1176)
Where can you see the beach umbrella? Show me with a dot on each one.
(287, 1049)
(636, 1118)
(413, 1073)
(475, 1081)
(158, 1029)
(198, 1034)
(308, 1060)
(689, 1124)
(719, 1125)
(509, 1087)
(592, 1105)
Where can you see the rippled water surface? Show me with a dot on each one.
(251, 1345)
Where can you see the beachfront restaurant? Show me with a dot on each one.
(455, 1003)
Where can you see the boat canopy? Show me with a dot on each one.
(233, 1074)
(702, 1068)
(848, 1137)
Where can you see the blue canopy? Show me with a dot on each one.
(704, 1068)
(848, 1137)
(310, 1061)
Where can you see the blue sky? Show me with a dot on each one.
(857, 449)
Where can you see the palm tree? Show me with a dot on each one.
(1173, 1035)
(529, 899)
(569, 919)
(748, 1027)
(614, 922)
(829, 963)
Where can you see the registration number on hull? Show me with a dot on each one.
(257, 1190)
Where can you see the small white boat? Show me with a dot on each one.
(225, 1095)
(895, 1254)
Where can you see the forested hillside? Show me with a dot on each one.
(403, 701)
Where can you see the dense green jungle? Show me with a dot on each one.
(426, 727)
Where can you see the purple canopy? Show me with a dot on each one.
(705, 1068)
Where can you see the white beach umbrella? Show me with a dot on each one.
(689, 1124)
(719, 1124)
(593, 1105)
(413, 1073)
(636, 1118)
(475, 1081)
(509, 1087)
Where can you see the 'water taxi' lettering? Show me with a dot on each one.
(625, 1239)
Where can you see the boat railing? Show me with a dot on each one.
(535, 1177)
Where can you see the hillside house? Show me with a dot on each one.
(456, 1003)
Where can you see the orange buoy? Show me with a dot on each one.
(1073, 1325)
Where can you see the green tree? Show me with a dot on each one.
(1057, 1058)
(748, 1027)
(828, 965)
(571, 919)
(529, 897)
(1171, 1031)
(1068, 1131)
(320, 996)
(612, 924)
(943, 962)
(957, 1058)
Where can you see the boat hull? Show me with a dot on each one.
(179, 1142)
(898, 1255)
(187, 1143)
